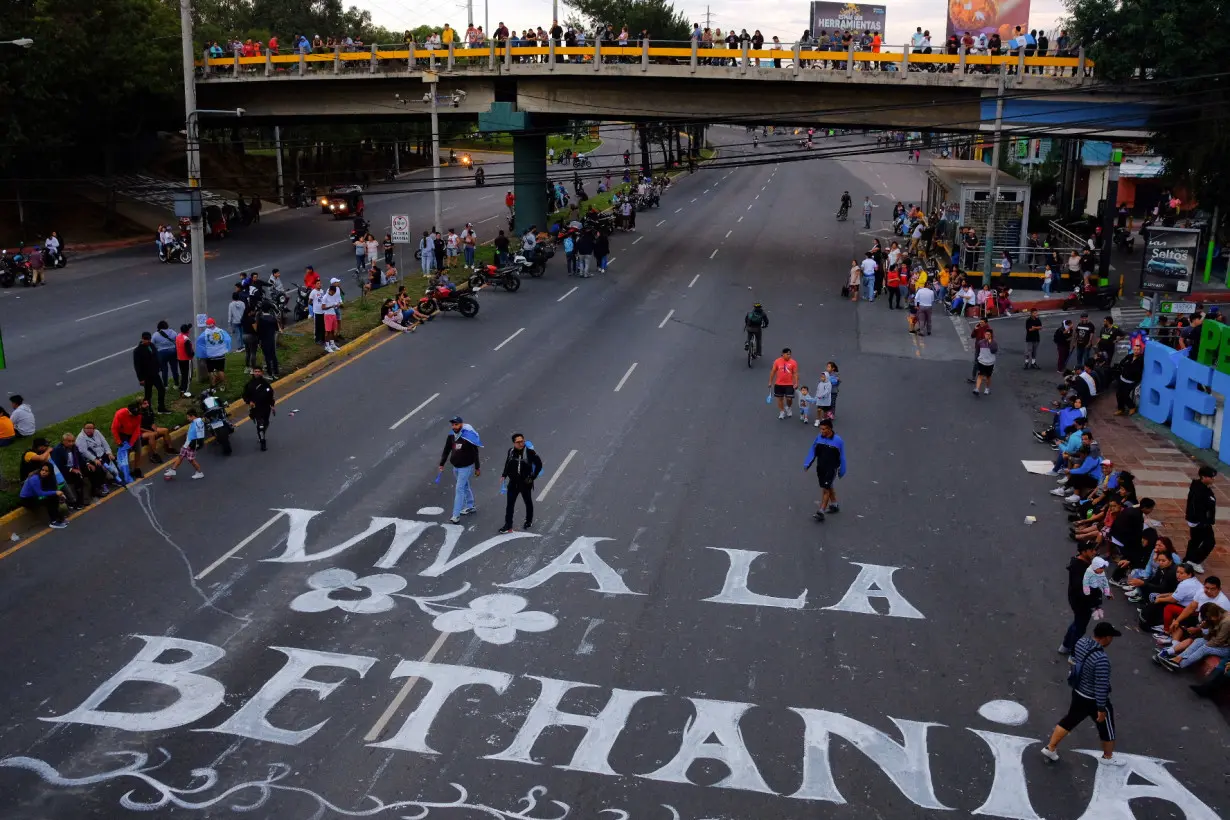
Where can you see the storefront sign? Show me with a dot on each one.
(1170, 260)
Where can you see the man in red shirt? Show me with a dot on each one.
(126, 430)
(310, 278)
(784, 379)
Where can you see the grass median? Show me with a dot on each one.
(504, 142)
(296, 349)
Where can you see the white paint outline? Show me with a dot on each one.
(112, 310)
(626, 376)
(509, 339)
(235, 549)
(406, 417)
(403, 693)
(669, 314)
(555, 476)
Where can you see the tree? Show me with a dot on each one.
(1151, 41)
(658, 17)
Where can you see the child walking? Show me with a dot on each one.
(834, 378)
(806, 402)
(195, 441)
(824, 398)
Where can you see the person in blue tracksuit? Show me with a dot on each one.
(828, 452)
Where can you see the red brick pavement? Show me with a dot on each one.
(1163, 470)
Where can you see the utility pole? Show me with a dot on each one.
(434, 85)
(1108, 219)
(470, 12)
(277, 151)
(197, 231)
(554, 11)
(999, 126)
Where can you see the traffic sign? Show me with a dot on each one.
(1178, 307)
(400, 229)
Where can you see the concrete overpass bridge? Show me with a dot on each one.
(531, 90)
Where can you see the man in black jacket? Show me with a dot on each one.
(1201, 513)
(1131, 370)
(258, 395)
(145, 363)
(521, 467)
(461, 450)
(1081, 611)
(1128, 528)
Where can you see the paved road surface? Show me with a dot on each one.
(301, 634)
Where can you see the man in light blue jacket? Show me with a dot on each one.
(212, 345)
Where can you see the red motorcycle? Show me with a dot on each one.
(443, 298)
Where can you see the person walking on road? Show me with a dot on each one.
(924, 300)
(193, 445)
(986, 348)
(1090, 682)
(521, 467)
(1200, 515)
(145, 363)
(1033, 335)
(981, 329)
(258, 395)
(828, 452)
(461, 451)
(867, 206)
(784, 380)
(1081, 605)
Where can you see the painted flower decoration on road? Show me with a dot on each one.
(327, 583)
(495, 618)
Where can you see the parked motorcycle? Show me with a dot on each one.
(1124, 240)
(302, 300)
(506, 277)
(535, 264)
(581, 161)
(1097, 299)
(442, 298)
(14, 270)
(217, 422)
(179, 251)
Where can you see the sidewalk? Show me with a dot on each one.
(1164, 472)
(1024, 300)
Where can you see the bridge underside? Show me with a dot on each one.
(945, 104)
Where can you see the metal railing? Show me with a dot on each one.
(491, 56)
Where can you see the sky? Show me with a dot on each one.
(786, 20)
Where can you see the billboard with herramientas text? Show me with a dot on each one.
(827, 16)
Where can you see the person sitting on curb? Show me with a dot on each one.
(96, 451)
(39, 490)
(151, 432)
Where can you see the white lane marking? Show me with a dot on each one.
(488, 219)
(488, 196)
(235, 549)
(112, 310)
(715, 250)
(510, 338)
(96, 361)
(611, 261)
(569, 293)
(659, 225)
(749, 207)
(694, 199)
(740, 219)
(555, 476)
(254, 267)
(762, 187)
(330, 245)
(706, 190)
(638, 239)
(449, 208)
(694, 278)
(404, 692)
(669, 314)
(406, 417)
(625, 378)
(728, 233)
(677, 210)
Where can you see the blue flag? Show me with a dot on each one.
(468, 433)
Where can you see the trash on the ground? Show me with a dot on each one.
(14, 537)
(1030, 519)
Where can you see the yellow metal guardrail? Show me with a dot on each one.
(587, 54)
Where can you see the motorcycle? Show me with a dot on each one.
(1124, 240)
(582, 161)
(442, 298)
(303, 298)
(54, 259)
(179, 251)
(14, 270)
(506, 277)
(359, 233)
(389, 176)
(217, 422)
(535, 264)
(604, 222)
(1097, 299)
(480, 178)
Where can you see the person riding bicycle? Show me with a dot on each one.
(846, 202)
(753, 323)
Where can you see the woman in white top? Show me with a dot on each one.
(372, 248)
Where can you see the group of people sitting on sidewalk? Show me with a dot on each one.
(1118, 546)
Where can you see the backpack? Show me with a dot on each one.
(1074, 673)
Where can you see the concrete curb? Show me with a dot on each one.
(22, 521)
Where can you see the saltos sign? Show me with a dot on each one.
(1175, 389)
(857, 17)
(1170, 260)
(988, 17)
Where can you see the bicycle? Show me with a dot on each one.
(752, 348)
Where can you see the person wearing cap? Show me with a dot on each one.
(212, 345)
(1090, 682)
(461, 450)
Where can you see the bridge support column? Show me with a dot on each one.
(530, 180)
(905, 61)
